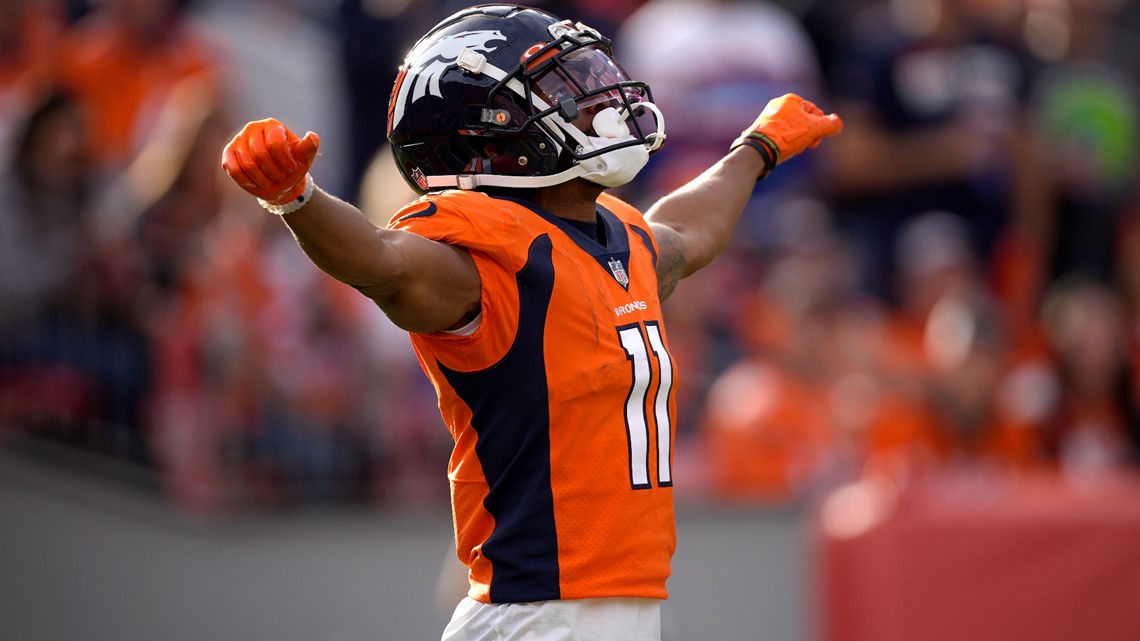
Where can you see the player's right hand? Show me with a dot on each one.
(269, 161)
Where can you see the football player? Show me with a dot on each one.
(533, 301)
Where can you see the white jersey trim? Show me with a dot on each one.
(467, 329)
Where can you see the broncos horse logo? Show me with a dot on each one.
(420, 76)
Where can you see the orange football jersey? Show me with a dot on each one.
(560, 402)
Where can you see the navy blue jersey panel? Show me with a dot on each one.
(510, 410)
(647, 241)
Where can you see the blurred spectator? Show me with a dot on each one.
(1086, 105)
(932, 92)
(965, 350)
(765, 432)
(709, 64)
(46, 188)
(261, 395)
(1096, 427)
(936, 259)
(121, 61)
(819, 396)
(841, 384)
(281, 59)
(766, 423)
(30, 31)
(975, 426)
(68, 347)
(829, 23)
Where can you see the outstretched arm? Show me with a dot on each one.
(422, 285)
(693, 224)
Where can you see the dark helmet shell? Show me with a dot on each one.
(449, 117)
(436, 115)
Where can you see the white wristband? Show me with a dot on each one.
(293, 205)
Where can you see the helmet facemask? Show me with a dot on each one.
(613, 123)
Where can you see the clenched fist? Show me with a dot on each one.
(786, 127)
(269, 161)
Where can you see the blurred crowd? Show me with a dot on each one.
(954, 282)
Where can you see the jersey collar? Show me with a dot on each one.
(613, 256)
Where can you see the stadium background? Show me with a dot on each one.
(910, 404)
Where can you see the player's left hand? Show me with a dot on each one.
(786, 127)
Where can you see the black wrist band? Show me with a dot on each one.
(765, 146)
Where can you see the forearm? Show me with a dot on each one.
(339, 239)
(703, 212)
(422, 285)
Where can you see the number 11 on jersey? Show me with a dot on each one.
(639, 341)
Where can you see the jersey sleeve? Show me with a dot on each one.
(474, 222)
(464, 219)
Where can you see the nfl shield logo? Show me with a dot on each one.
(619, 272)
(420, 178)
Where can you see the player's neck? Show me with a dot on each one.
(575, 200)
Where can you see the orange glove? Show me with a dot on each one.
(787, 126)
(272, 163)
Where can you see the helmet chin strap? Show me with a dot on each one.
(471, 181)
